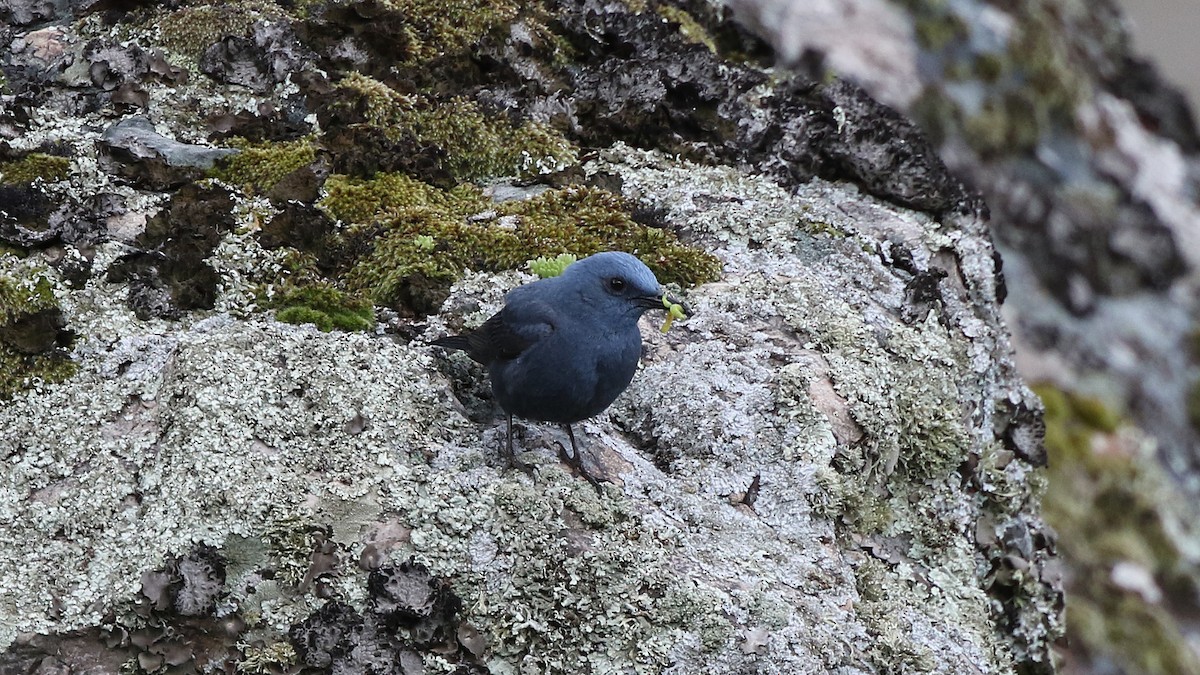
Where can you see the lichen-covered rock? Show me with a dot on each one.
(1086, 158)
(832, 467)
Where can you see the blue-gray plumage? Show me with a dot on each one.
(562, 349)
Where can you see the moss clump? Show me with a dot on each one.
(584, 221)
(392, 213)
(435, 28)
(33, 166)
(1112, 505)
(190, 30)
(258, 167)
(391, 195)
(30, 335)
(454, 138)
(325, 306)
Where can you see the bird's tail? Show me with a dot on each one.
(452, 342)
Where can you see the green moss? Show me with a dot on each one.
(327, 307)
(691, 29)
(435, 28)
(49, 168)
(190, 30)
(1112, 504)
(389, 195)
(21, 298)
(584, 221)
(18, 371)
(1006, 123)
(1031, 85)
(258, 167)
(466, 142)
(989, 67)
(391, 213)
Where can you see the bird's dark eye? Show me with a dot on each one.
(616, 284)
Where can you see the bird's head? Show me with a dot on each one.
(619, 283)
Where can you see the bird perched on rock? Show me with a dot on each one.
(562, 349)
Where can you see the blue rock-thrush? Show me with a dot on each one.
(562, 349)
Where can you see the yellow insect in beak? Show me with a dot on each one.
(674, 311)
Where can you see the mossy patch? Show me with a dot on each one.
(388, 196)
(434, 28)
(325, 306)
(374, 127)
(1118, 516)
(260, 166)
(190, 30)
(33, 166)
(31, 335)
(393, 215)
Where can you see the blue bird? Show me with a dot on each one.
(562, 349)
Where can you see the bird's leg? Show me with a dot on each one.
(511, 457)
(575, 461)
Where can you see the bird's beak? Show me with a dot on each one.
(664, 301)
(668, 301)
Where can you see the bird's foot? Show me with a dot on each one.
(576, 463)
(510, 456)
(514, 463)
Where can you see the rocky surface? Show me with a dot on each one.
(229, 229)
(1088, 162)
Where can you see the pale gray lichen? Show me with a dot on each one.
(252, 436)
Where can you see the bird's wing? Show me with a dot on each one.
(509, 332)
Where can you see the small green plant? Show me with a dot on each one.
(550, 267)
(423, 242)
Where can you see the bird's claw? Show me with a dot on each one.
(526, 467)
(576, 463)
